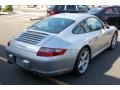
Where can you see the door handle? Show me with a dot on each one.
(95, 38)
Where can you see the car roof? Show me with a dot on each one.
(72, 16)
(107, 6)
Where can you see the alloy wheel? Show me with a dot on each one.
(84, 61)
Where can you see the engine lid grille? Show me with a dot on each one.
(31, 37)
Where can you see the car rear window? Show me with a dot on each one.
(52, 25)
(51, 6)
(95, 10)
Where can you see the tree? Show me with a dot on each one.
(8, 8)
(0, 8)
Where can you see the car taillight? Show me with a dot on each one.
(8, 44)
(52, 13)
(49, 52)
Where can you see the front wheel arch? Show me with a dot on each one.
(89, 48)
(74, 68)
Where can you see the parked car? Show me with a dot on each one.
(108, 14)
(56, 9)
(61, 43)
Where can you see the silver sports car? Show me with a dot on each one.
(61, 43)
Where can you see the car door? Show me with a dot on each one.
(96, 32)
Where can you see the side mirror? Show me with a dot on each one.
(107, 26)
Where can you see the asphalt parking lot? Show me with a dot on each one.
(103, 70)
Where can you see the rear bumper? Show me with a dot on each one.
(44, 65)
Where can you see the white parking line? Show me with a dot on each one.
(21, 23)
(3, 59)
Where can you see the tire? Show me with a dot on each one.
(81, 65)
(113, 41)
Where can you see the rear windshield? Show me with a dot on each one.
(51, 6)
(95, 10)
(52, 25)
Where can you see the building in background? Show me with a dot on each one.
(42, 7)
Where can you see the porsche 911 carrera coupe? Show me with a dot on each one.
(61, 43)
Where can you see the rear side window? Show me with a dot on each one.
(85, 26)
(71, 7)
(78, 30)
